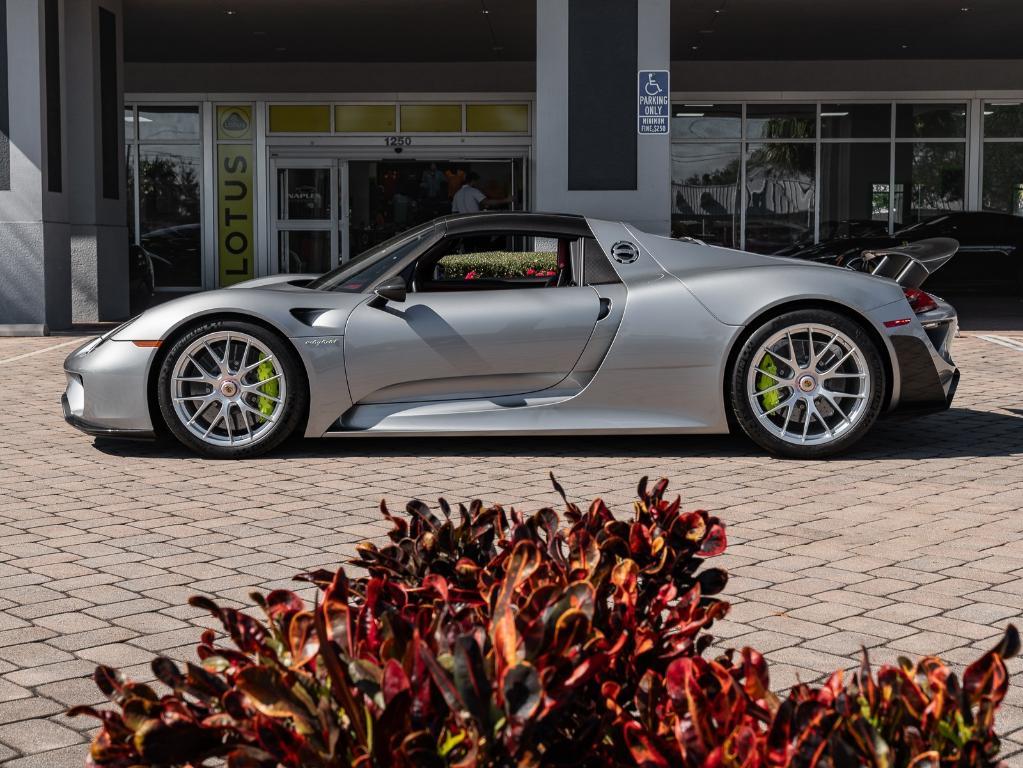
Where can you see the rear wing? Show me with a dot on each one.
(909, 265)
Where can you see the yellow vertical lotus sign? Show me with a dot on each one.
(235, 228)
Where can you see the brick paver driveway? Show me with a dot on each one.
(911, 544)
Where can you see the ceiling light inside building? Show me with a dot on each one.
(689, 114)
(834, 114)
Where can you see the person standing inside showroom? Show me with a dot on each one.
(470, 199)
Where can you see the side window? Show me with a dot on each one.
(496, 261)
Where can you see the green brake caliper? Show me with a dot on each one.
(771, 399)
(264, 372)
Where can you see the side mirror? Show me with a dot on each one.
(392, 290)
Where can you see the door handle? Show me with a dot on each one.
(605, 309)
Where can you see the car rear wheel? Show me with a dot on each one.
(807, 384)
(230, 389)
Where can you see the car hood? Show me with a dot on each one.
(277, 281)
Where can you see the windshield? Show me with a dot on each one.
(355, 275)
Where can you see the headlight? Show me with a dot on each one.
(96, 342)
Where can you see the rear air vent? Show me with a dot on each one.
(307, 316)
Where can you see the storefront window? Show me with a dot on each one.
(164, 166)
(856, 121)
(1003, 120)
(169, 231)
(876, 165)
(930, 179)
(1003, 158)
(168, 124)
(1003, 177)
(781, 121)
(388, 197)
(304, 251)
(705, 192)
(706, 121)
(780, 180)
(930, 121)
(855, 188)
(129, 164)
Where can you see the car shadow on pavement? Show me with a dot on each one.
(957, 432)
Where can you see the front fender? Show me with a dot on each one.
(273, 307)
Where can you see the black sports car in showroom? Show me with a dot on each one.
(990, 258)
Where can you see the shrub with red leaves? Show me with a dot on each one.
(486, 638)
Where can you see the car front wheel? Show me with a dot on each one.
(807, 384)
(230, 389)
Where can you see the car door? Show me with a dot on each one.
(468, 341)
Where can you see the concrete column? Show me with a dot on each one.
(34, 263)
(590, 158)
(97, 204)
(63, 231)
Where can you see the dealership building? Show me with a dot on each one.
(221, 140)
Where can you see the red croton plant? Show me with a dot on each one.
(487, 638)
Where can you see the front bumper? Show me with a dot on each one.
(106, 393)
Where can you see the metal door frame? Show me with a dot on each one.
(338, 202)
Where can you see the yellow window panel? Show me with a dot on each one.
(364, 118)
(299, 118)
(497, 118)
(431, 118)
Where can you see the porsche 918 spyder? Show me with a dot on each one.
(528, 323)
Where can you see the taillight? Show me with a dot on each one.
(919, 301)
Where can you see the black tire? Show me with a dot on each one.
(292, 410)
(751, 422)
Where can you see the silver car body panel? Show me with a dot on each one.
(106, 387)
(648, 355)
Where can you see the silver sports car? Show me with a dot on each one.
(521, 323)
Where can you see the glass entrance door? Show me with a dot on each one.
(386, 197)
(327, 210)
(306, 227)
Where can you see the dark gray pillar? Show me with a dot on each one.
(591, 157)
(34, 265)
(97, 203)
(63, 232)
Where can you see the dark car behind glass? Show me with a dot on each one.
(990, 258)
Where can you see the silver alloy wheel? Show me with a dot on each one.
(809, 384)
(228, 389)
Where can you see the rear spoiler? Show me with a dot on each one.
(909, 265)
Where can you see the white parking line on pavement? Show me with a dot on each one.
(1004, 341)
(76, 340)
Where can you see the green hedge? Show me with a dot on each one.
(497, 264)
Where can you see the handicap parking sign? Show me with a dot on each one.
(654, 101)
